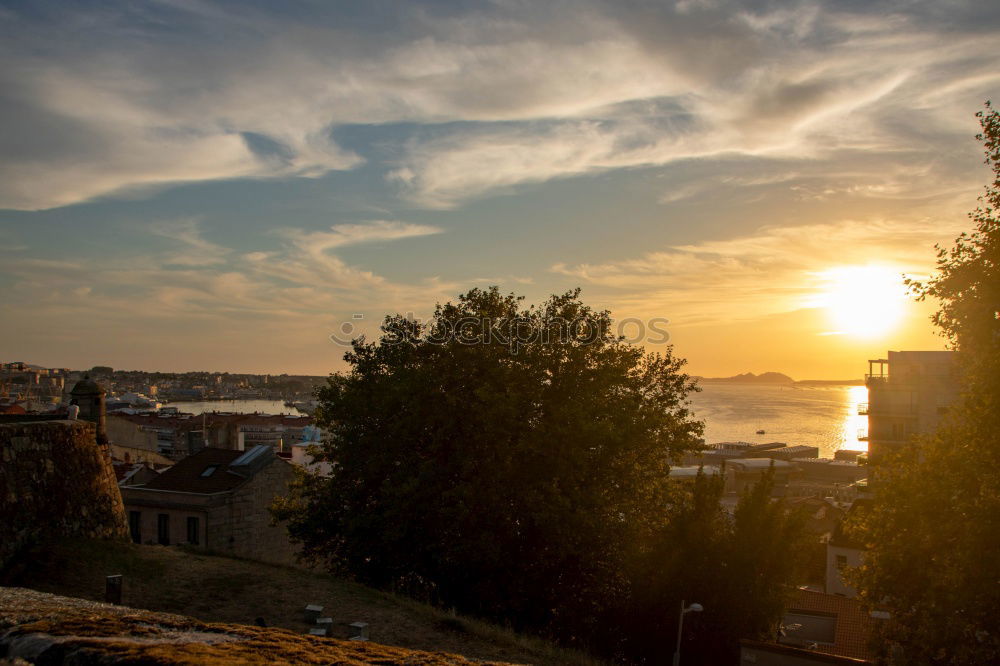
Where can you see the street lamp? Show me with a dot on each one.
(693, 608)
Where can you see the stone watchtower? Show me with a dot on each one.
(89, 397)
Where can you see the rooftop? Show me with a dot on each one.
(212, 470)
(691, 471)
(760, 463)
(853, 627)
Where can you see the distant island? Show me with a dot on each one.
(750, 378)
(777, 378)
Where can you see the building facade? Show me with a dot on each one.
(216, 499)
(178, 435)
(844, 552)
(908, 393)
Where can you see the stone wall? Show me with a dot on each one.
(236, 522)
(242, 526)
(55, 481)
(125, 433)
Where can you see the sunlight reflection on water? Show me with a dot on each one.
(822, 416)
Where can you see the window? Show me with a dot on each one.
(193, 530)
(135, 526)
(208, 470)
(841, 561)
(163, 529)
(803, 626)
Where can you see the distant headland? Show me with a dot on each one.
(777, 378)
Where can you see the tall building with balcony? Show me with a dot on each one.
(908, 393)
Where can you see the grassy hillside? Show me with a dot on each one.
(69, 630)
(220, 589)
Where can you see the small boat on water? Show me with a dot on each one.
(760, 432)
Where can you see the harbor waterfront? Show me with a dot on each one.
(822, 416)
(235, 406)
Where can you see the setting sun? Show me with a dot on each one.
(862, 301)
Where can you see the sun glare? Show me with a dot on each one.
(863, 301)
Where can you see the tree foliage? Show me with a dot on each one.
(934, 530)
(967, 283)
(741, 568)
(513, 463)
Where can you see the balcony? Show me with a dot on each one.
(908, 410)
(876, 380)
(862, 435)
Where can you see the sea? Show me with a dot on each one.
(236, 406)
(824, 416)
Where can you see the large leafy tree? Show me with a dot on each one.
(934, 531)
(499, 459)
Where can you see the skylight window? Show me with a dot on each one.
(208, 470)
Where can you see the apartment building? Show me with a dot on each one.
(908, 393)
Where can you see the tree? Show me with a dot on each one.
(967, 283)
(934, 529)
(740, 567)
(498, 459)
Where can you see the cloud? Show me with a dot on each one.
(197, 251)
(306, 258)
(794, 83)
(341, 235)
(777, 269)
(443, 172)
(300, 281)
(111, 100)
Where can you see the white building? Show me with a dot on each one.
(844, 552)
(311, 436)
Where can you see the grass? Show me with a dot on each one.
(73, 630)
(213, 588)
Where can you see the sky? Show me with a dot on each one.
(189, 185)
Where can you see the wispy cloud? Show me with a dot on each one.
(775, 270)
(305, 257)
(498, 94)
(301, 280)
(341, 235)
(195, 250)
(781, 98)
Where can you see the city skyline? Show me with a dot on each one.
(195, 185)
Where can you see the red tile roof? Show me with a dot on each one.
(854, 624)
